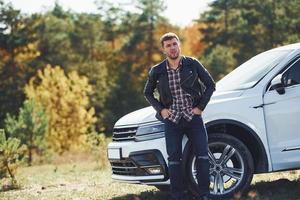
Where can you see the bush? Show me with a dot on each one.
(11, 156)
(66, 102)
(97, 144)
(30, 127)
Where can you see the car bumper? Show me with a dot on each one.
(139, 162)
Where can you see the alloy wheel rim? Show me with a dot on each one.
(226, 168)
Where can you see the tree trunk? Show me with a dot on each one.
(29, 156)
(9, 171)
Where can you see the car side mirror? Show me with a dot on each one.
(277, 84)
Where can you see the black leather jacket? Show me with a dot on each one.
(194, 79)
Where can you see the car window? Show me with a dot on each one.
(292, 75)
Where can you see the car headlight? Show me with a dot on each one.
(150, 132)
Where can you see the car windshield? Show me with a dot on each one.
(249, 73)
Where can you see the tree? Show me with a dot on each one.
(94, 60)
(11, 156)
(111, 18)
(191, 42)
(54, 30)
(249, 27)
(29, 127)
(78, 42)
(65, 99)
(17, 48)
(138, 53)
(220, 61)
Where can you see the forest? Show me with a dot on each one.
(67, 77)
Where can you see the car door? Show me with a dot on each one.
(282, 117)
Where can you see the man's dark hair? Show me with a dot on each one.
(168, 36)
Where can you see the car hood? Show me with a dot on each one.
(147, 114)
(140, 116)
(224, 96)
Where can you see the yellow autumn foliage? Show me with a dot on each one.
(65, 98)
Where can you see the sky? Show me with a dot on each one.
(179, 12)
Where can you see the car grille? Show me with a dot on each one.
(126, 167)
(124, 134)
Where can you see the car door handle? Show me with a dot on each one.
(264, 104)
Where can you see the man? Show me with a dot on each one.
(182, 99)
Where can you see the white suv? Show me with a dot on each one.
(253, 125)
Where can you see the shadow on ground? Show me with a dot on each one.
(150, 195)
(282, 189)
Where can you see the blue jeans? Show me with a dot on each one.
(196, 133)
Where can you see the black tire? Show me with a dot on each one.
(234, 169)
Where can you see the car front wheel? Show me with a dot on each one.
(231, 166)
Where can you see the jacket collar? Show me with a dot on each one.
(168, 64)
(162, 66)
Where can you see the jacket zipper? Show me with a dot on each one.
(191, 74)
(187, 78)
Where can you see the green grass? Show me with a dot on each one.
(84, 180)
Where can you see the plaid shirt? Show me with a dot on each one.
(182, 101)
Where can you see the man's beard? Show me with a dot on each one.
(174, 57)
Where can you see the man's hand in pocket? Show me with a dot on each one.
(165, 113)
(197, 111)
